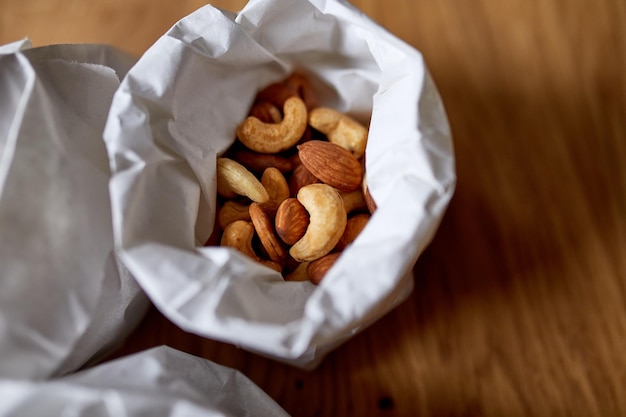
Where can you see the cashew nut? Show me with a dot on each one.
(232, 211)
(301, 84)
(277, 188)
(235, 179)
(326, 225)
(266, 112)
(238, 235)
(275, 137)
(298, 274)
(340, 129)
(297, 84)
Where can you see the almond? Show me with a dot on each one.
(291, 221)
(265, 231)
(354, 227)
(316, 270)
(258, 162)
(331, 164)
(300, 177)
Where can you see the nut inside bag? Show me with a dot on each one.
(65, 300)
(158, 382)
(175, 116)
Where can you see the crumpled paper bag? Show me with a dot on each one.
(156, 382)
(64, 297)
(177, 110)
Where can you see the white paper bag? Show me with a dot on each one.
(160, 382)
(177, 110)
(64, 298)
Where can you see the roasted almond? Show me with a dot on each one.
(291, 221)
(300, 177)
(258, 162)
(316, 270)
(354, 227)
(331, 164)
(264, 230)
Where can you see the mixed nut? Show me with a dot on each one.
(292, 191)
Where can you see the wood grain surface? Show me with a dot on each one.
(520, 301)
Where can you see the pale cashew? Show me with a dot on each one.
(238, 235)
(326, 225)
(340, 129)
(277, 188)
(266, 112)
(275, 137)
(232, 211)
(297, 84)
(235, 179)
(298, 274)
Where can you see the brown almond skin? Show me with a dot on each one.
(316, 270)
(300, 177)
(331, 164)
(354, 227)
(291, 221)
(258, 162)
(265, 232)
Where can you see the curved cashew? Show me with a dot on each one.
(301, 84)
(266, 112)
(238, 235)
(277, 188)
(275, 137)
(340, 129)
(298, 274)
(296, 84)
(232, 211)
(235, 179)
(326, 225)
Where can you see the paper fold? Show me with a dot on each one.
(64, 296)
(172, 117)
(159, 382)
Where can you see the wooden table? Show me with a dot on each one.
(520, 301)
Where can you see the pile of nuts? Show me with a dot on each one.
(292, 191)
